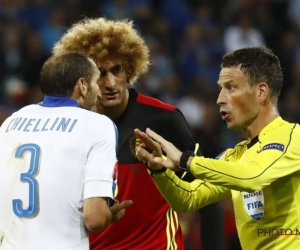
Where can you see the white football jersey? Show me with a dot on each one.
(53, 156)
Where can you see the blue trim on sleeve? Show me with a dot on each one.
(117, 137)
(53, 101)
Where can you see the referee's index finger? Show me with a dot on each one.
(139, 133)
(145, 139)
(155, 136)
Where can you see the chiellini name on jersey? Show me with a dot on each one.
(62, 124)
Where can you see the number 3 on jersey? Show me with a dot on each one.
(28, 177)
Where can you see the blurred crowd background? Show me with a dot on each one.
(187, 39)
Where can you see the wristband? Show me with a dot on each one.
(184, 159)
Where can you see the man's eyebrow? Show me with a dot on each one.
(111, 68)
(226, 82)
(117, 65)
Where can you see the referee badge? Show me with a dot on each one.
(272, 146)
(254, 204)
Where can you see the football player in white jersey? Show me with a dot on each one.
(58, 163)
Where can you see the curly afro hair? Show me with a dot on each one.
(101, 38)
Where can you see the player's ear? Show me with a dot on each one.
(262, 91)
(82, 86)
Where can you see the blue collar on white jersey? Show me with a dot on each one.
(53, 101)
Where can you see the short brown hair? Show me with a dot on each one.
(59, 74)
(260, 64)
(101, 38)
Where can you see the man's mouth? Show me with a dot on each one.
(224, 115)
(111, 95)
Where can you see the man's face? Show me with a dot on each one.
(237, 99)
(113, 83)
(93, 94)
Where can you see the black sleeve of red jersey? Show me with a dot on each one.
(177, 131)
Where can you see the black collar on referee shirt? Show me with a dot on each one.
(252, 142)
(132, 99)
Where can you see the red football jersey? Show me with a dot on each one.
(149, 223)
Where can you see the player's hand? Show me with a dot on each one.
(118, 210)
(173, 154)
(148, 150)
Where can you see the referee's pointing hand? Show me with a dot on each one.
(155, 143)
(148, 150)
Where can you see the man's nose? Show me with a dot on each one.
(221, 98)
(110, 80)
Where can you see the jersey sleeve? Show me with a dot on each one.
(101, 162)
(178, 132)
(271, 162)
(187, 197)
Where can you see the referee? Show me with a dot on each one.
(261, 174)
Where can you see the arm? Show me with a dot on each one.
(266, 167)
(187, 197)
(211, 216)
(96, 214)
(99, 183)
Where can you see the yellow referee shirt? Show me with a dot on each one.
(263, 179)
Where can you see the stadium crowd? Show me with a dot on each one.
(187, 39)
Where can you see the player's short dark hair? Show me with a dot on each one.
(260, 64)
(59, 74)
